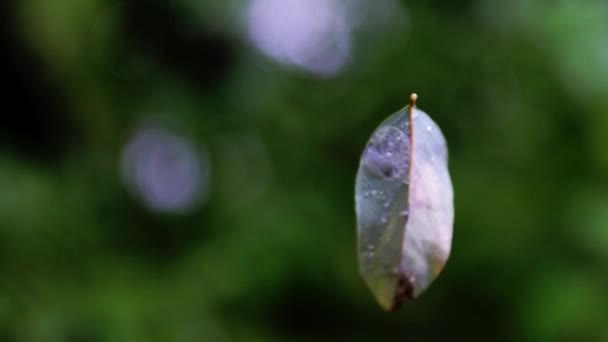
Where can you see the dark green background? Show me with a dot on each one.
(519, 88)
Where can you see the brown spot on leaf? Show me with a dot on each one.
(404, 292)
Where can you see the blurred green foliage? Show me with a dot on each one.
(518, 87)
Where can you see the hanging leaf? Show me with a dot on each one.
(404, 205)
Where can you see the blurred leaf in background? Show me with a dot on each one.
(184, 170)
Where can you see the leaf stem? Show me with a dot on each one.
(413, 99)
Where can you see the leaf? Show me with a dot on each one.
(404, 206)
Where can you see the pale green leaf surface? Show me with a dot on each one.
(404, 225)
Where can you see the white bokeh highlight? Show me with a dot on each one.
(165, 170)
(313, 35)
